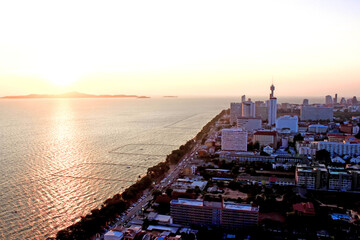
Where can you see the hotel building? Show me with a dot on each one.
(208, 213)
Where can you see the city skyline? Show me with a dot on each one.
(305, 48)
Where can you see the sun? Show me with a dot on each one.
(61, 78)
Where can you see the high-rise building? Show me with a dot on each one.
(306, 101)
(272, 107)
(328, 100)
(354, 101)
(210, 213)
(234, 140)
(235, 112)
(335, 99)
(261, 110)
(343, 101)
(316, 113)
(243, 98)
(248, 109)
(249, 124)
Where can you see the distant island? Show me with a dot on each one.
(71, 95)
(170, 96)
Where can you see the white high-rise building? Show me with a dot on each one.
(287, 122)
(248, 109)
(272, 107)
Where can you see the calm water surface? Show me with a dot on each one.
(61, 158)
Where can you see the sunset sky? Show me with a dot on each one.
(212, 48)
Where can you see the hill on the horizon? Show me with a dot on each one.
(72, 95)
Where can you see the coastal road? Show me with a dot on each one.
(162, 185)
(183, 163)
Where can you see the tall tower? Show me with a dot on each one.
(272, 107)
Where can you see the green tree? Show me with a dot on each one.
(323, 156)
(169, 192)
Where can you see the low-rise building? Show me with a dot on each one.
(266, 138)
(113, 235)
(304, 209)
(317, 128)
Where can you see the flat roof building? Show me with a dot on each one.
(207, 213)
(340, 148)
(249, 124)
(235, 112)
(313, 113)
(266, 138)
(287, 122)
(234, 140)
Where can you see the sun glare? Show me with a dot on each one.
(61, 79)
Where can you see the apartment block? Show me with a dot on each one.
(235, 112)
(340, 180)
(314, 113)
(311, 177)
(208, 213)
(234, 140)
(249, 124)
(340, 148)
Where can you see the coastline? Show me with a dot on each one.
(97, 219)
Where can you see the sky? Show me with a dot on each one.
(183, 48)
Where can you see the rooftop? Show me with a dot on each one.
(189, 202)
(241, 207)
(269, 133)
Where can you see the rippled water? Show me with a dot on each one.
(61, 158)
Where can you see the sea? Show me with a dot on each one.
(60, 158)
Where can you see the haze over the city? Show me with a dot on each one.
(187, 48)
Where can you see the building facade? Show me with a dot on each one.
(287, 122)
(311, 113)
(205, 213)
(249, 124)
(266, 138)
(340, 180)
(340, 148)
(311, 177)
(272, 107)
(234, 140)
(328, 100)
(235, 112)
(248, 109)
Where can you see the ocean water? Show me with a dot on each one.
(60, 158)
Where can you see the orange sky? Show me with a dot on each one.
(192, 48)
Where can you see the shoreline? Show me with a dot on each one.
(97, 219)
